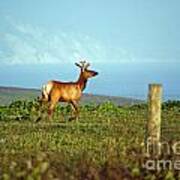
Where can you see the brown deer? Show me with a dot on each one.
(71, 92)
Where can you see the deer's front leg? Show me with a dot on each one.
(75, 108)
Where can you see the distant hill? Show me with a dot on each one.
(9, 94)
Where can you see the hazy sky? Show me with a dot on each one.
(105, 32)
(55, 31)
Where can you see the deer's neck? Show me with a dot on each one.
(82, 81)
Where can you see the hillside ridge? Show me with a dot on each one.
(9, 94)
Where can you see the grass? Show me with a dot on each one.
(105, 143)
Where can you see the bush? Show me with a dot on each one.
(171, 104)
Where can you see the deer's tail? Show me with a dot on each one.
(46, 91)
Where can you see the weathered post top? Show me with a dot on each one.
(155, 91)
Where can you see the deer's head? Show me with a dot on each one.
(86, 73)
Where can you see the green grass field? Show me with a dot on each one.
(106, 142)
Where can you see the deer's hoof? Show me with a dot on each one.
(73, 118)
(38, 119)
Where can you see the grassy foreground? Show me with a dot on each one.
(105, 143)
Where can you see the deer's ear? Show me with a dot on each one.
(78, 65)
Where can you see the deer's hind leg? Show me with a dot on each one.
(52, 104)
(42, 107)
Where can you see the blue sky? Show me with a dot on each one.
(108, 33)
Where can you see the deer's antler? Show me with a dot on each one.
(83, 65)
(87, 65)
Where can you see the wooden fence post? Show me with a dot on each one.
(154, 119)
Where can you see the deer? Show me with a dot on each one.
(70, 92)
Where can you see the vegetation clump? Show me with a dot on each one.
(105, 142)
